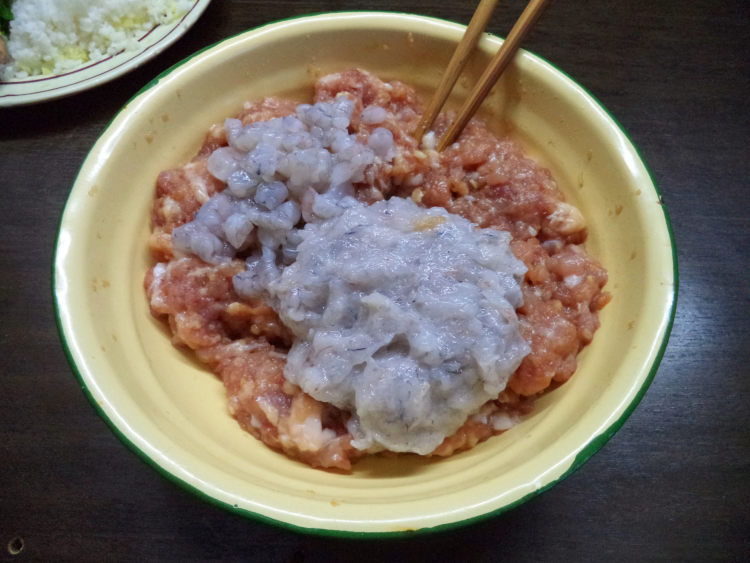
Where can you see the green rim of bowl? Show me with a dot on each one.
(586, 452)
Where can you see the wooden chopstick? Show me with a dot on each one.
(471, 36)
(491, 74)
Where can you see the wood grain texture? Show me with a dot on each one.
(672, 485)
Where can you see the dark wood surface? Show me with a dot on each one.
(672, 485)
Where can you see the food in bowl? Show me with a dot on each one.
(45, 38)
(358, 292)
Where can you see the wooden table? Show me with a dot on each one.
(673, 484)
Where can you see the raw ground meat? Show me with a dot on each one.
(481, 177)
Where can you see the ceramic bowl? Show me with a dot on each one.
(171, 410)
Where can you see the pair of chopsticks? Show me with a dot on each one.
(491, 74)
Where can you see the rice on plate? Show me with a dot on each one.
(56, 36)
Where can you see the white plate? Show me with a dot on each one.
(48, 87)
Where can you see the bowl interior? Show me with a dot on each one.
(172, 410)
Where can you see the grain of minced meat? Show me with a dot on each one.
(56, 36)
(355, 290)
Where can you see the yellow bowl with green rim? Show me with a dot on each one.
(172, 411)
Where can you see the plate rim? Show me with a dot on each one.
(594, 444)
(135, 60)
